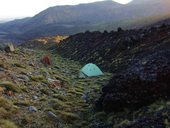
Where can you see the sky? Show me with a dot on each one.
(11, 9)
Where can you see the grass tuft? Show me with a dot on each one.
(9, 86)
(68, 116)
(7, 124)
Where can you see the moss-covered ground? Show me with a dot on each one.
(25, 82)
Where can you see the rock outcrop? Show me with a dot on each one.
(141, 84)
(113, 51)
(139, 59)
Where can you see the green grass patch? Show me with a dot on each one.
(19, 65)
(68, 116)
(9, 86)
(7, 124)
(37, 78)
(60, 97)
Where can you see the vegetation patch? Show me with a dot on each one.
(60, 97)
(58, 104)
(9, 86)
(37, 78)
(7, 124)
(19, 65)
(67, 116)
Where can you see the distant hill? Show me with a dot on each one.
(67, 20)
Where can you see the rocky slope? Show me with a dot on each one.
(115, 50)
(139, 61)
(39, 96)
(134, 95)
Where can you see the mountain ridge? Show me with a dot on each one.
(68, 20)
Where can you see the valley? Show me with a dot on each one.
(93, 65)
(132, 93)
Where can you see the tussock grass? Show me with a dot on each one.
(58, 104)
(60, 97)
(6, 108)
(7, 124)
(19, 65)
(68, 116)
(9, 86)
(37, 78)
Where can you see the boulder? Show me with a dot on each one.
(32, 109)
(9, 48)
(35, 97)
(54, 83)
(53, 117)
(31, 63)
(23, 77)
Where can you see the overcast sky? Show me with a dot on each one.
(26, 8)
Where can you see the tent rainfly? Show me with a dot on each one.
(90, 70)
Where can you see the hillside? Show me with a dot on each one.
(132, 93)
(137, 95)
(110, 50)
(68, 20)
(35, 95)
(140, 62)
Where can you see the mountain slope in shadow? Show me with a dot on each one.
(105, 15)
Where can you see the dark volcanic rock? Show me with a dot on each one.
(97, 47)
(139, 59)
(113, 51)
(159, 119)
(139, 85)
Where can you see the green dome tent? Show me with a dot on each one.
(90, 70)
